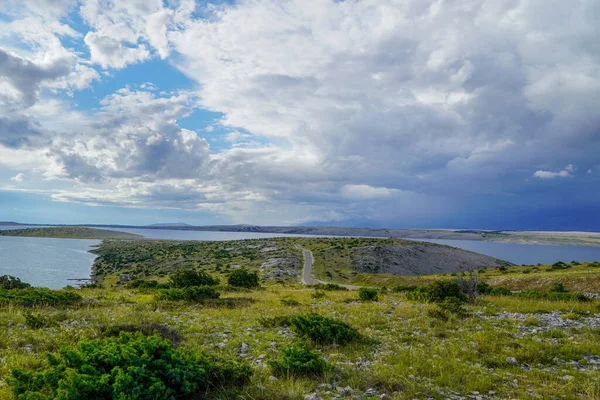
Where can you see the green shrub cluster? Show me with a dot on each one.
(38, 321)
(274, 322)
(146, 329)
(559, 266)
(368, 294)
(501, 291)
(10, 282)
(243, 278)
(130, 366)
(42, 297)
(558, 287)
(299, 359)
(194, 293)
(323, 330)
(185, 278)
(437, 291)
(554, 296)
(331, 287)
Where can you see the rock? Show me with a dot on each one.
(512, 361)
(244, 349)
(345, 391)
(273, 378)
(312, 396)
(28, 348)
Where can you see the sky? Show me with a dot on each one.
(381, 113)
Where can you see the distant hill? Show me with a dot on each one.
(69, 232)
(170, 225)
(10, 223)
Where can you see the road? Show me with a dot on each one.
(307, 277)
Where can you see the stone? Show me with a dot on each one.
(512, 361)
(273, 378)
(244, 348)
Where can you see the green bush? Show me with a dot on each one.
(274, 322)
(146, 329)
(185, 278)
(368, 294)
(10, 282)
(554, 296)
(484, 288)
(501, 291)
(194, 293)
(559, 266)
(38, 321)
(323, 330)
(243, 278)
(331, 287)
(41, 297)
(558, 287)
(130, 366)
(437, 291)
(298, 359)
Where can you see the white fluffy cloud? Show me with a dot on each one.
(565, 173)
(332, 110)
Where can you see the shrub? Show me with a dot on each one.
(559, 266)
(323, 330)
(37, 321)
(274, 322)
(437, 291)
(130, 366)
(298, 359)
(318, 295)
(42, 297)
(194, 293)
(185, 278)
(10, 282)
(367, 294)
(558, 287)
(332, 287)
(243, 278)
(554, 296)
(145, 329)
(501, 291)
(290, 302)
(484, 288)
(453, 305)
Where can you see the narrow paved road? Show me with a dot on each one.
(307, 278)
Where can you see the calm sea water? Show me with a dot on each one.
(51, 262)
(525, 253)
(46, 262)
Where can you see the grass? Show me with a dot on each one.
(406, 353)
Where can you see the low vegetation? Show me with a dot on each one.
(130, 366)
(496, 334)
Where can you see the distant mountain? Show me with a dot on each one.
(170, 225)
(9, 223)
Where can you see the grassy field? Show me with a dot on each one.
(497, 347)
(69, 232)
(407, 354)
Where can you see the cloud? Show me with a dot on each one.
(357, 110)
(18, 177)
(359, 192)
(565, 173)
